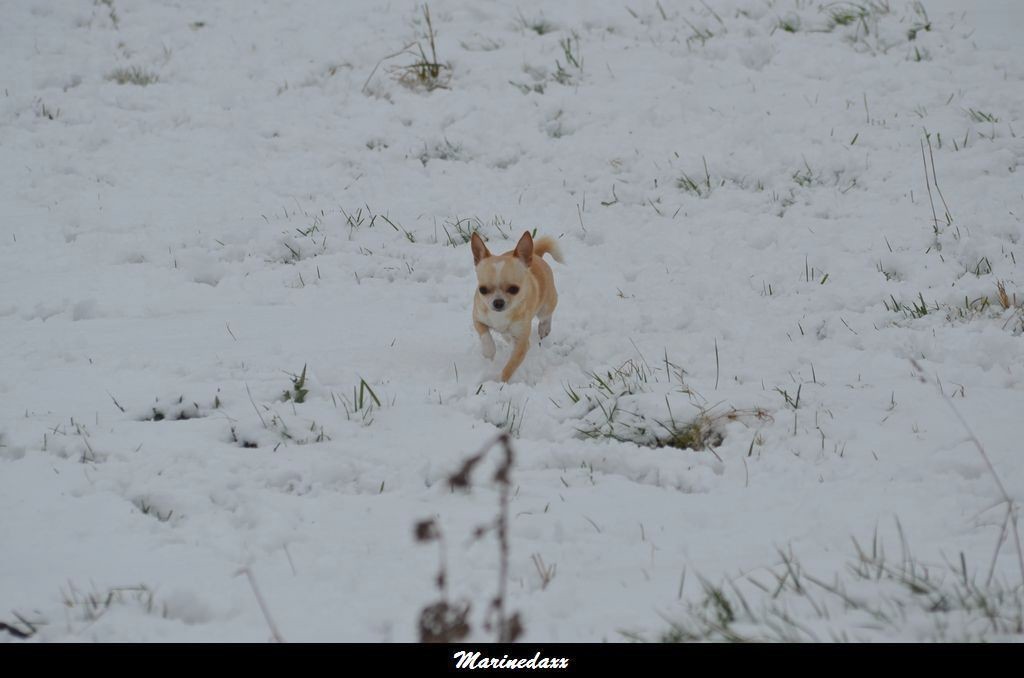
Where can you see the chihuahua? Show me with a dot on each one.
(512, 288)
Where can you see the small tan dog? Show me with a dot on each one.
(512, 288)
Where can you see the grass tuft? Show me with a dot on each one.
(298, 391)
(917, 308)
(133, 75)
(573, 60)
(790, 23)
(174, 410)
(875, 599)
(363, 403)
(426, 72)
(618, 407)
(538, 25)
(922, 23)
(981, 116)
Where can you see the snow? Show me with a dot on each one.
(273, 201)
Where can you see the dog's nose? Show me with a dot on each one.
(498, 304)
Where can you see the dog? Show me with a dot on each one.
(512, 288)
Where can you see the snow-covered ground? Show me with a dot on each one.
(739, 190)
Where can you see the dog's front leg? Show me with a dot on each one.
(486, 340)
(522, 335)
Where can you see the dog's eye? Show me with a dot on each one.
(513, 290)
(483, 290)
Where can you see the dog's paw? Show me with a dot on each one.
(544, 328)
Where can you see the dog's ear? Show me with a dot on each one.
(480, 251)
(524, 249)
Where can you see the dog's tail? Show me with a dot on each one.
(548, 245)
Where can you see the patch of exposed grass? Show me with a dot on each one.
(538, 24)
(425, 72)
(148, 509)
(441, 150)
(526, 88)
(922, 22)
(296, 430)
(90, 606)
(697, 34)
(297, 393)
(701, 189)
(508, 418)
(481, 44)
(459, 231)
(175, 410)
(845, 16)
(876, 598)
(310, 241)
(573, 69)
(1005, 299)
(618, 407)
(917, 308)
(362, 405)
(133, 75)
(992, 306)
(700, 433)
(111, 11)
(247, 443)
(790, 23)
(804, 178)
(44, 111)
(981, 116)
